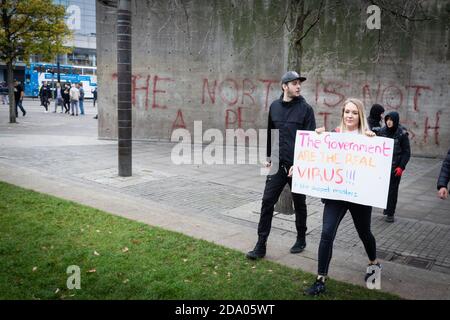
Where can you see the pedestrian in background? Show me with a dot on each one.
(18, 97)
(74, 98)
(375, 117)
(45, 94)
(400, 158)
(81, 99)
(444, 177)
(66, 97)
(94, 94)
(58, 98)
(4, 92)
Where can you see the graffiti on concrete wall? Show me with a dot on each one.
(243, 100)
(407, 99)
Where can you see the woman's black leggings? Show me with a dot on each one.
(333, 213)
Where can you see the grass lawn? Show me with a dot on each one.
(41, 236)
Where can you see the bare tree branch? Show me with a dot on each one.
(319, 12)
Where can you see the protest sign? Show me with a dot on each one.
(343, 166)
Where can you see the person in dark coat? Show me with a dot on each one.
(444, 177)
(45, 94)
(400, 158)
(375, 117)
(66, 97)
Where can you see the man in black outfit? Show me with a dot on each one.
(18, 98)
(287, 114)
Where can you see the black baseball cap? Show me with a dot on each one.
(291, 76)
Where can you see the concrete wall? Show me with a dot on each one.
(220, 62)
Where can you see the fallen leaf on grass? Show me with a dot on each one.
(34, 269)
(91, 271)
(96, 253)
(125, 281)
(185, 260)
(125, 249)
(57, 290)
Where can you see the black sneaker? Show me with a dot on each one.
(317, 288)
(389, 219)
(298, 246)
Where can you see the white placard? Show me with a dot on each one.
(343, 166)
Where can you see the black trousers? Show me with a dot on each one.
(274, 186)
(19, 105)
(66, 104)
(394, 184)
(333, 212)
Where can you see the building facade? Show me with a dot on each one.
(80, 17)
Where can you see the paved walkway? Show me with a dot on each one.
(61, 155)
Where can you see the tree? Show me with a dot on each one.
(295, 24)
(30, 27)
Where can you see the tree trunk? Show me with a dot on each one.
(12, 102)
(295, 50)
(297, 20)
(124, 87)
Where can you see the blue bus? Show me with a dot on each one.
(37, 73)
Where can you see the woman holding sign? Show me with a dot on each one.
(353, 120)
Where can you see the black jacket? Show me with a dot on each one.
(288, 117)
(402, 150)
(444, 176)
(45, 92)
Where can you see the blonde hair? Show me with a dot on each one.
(362, 123)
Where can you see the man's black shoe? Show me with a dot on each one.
(298, 246)
(258, 252)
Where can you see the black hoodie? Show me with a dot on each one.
(402, 150)
(288, 117)
(374, 118)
